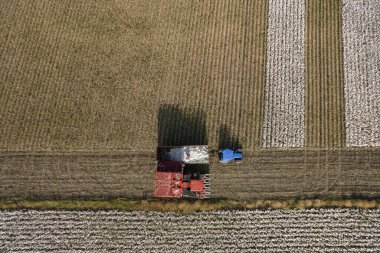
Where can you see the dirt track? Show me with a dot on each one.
(264, 174)
(297, 173)
(76, 175)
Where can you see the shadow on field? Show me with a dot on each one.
(226, 140)
(178, 126)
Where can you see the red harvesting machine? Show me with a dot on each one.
(182, 171)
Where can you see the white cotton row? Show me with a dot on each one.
(190, 154)
(361, 42)
(322, 230)
(285, 81)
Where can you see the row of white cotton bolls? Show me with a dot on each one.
(323, 230)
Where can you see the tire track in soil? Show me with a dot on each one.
(65, 175)
(277, 174)
(281, 174)
(324, 75)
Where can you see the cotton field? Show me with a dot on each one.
(325, 230)
(361, 41)
(284, 93)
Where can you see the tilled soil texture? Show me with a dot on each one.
(94, 175)
(324, 94)
(276, 174)
(268, 174)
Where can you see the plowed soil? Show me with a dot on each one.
(300, 173)
(269, 174)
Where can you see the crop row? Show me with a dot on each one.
(284, 93)
(361, 41)
(218, 231)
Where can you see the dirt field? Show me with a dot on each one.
(91, 175)
(70, 81)
(85, 85)
(267, 174)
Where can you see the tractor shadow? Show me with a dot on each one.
(181, 126)
(226, 140)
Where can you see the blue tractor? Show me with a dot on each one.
(230, 156)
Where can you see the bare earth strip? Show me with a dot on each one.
(324, 93)
(265, 174)
(73, 175)
(340, 230)
(277, 174)
(361, 40)
(284, 93)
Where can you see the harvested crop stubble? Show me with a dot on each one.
(361, 41)
(348, 230)
(324, 87)
(284, 93)
(218, 67)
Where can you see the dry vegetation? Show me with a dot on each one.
(283, 174)
(92, 75)
(112, 79)
(324, 94)
(75, 74)
(319, 230)
(218, 68)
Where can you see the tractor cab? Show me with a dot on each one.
(230, 156)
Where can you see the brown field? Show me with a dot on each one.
(324, 90)
(72, 82)
(68, 175)
(88, 89)
(265, 174)
(219, 70)
(276, 174)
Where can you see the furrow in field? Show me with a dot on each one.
(284, 92)
(281, 174)
(361, 41)
(91, 175)
(324, 112)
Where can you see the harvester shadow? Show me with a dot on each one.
(226, 140)
(180, 126)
